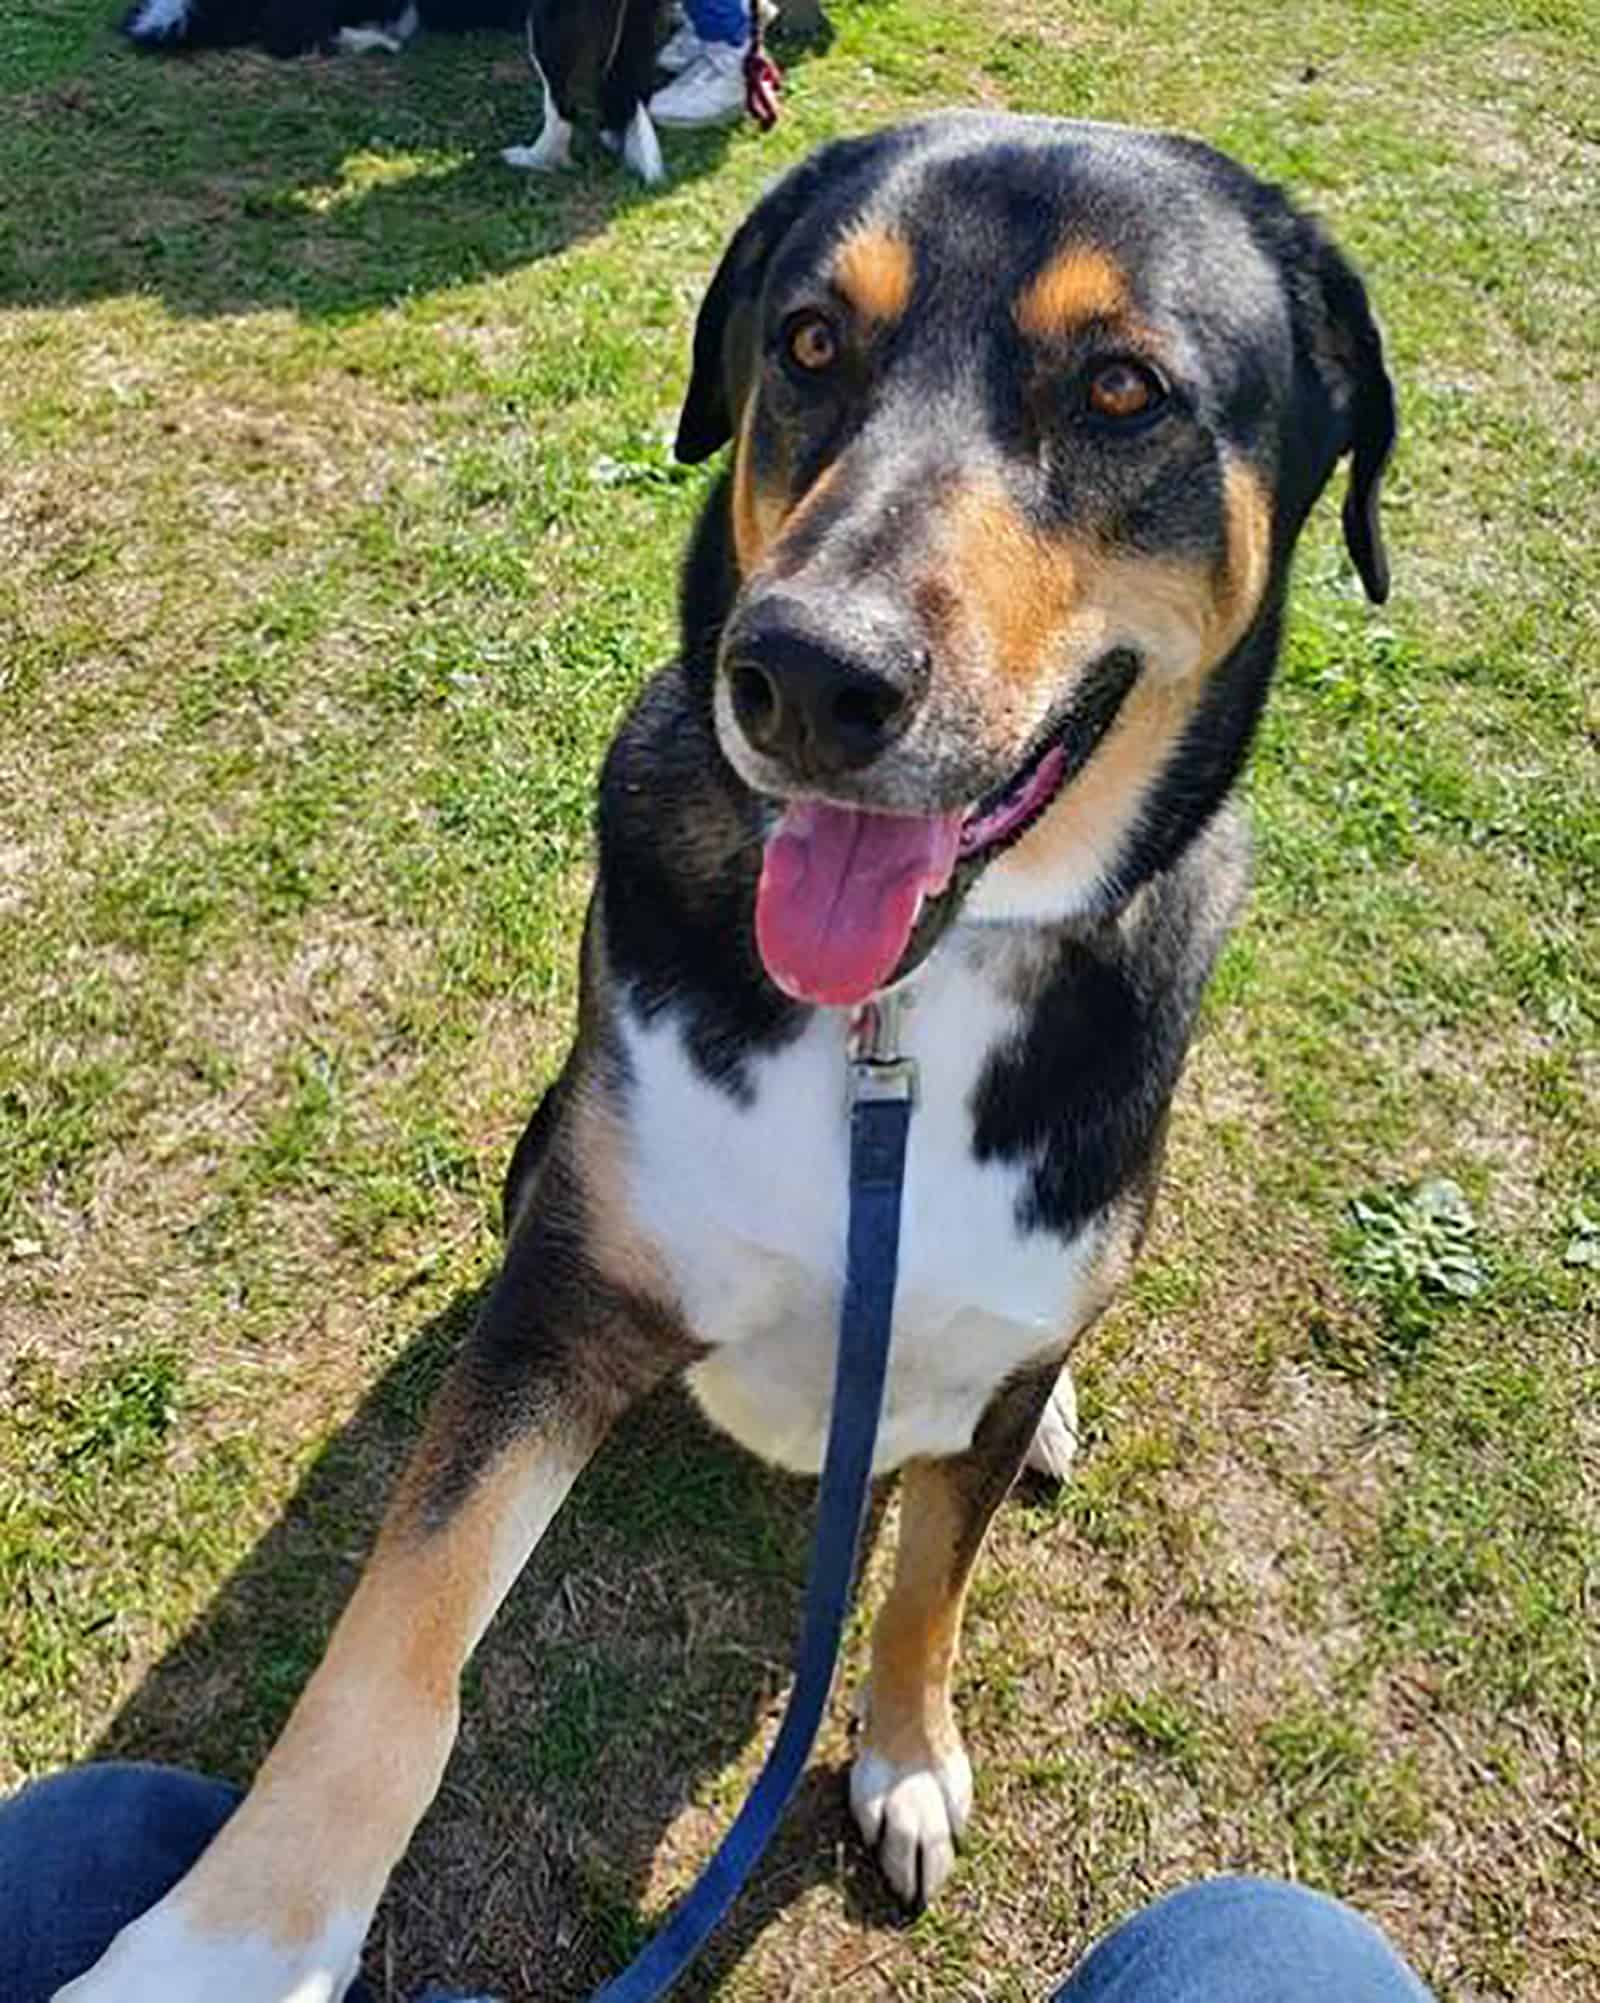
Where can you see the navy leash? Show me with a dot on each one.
(882, 1087)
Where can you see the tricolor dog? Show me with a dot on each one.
(1026, 416)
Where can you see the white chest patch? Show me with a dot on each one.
(748, 1203)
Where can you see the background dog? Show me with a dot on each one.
(608, 46)
(1027, 417)
(297, 27)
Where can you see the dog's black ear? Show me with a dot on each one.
(1346, 349)
(722, 358)
(725, 331)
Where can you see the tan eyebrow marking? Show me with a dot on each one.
(1080, 283)
(873, 269)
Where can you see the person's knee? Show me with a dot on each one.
(84, 1852)
(1251, 1940)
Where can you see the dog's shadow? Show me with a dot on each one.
(228, 182)
(642, 1653)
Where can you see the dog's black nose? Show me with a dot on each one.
(811, 701)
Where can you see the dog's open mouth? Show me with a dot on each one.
(842, 888)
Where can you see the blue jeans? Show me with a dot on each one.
(720, 20)
(84, 1852)
(1243, 1940)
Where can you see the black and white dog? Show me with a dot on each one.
(612, 43)
(297, 27)
(609, 44)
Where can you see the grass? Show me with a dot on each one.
(337, 529)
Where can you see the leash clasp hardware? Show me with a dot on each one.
(877, 1070)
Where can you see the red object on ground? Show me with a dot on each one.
(763, 80)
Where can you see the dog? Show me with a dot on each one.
(1027, 415)
(612, 42)
(302, 27)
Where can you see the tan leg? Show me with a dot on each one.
(306, 1858)
(911, 1786)
(276, 1910)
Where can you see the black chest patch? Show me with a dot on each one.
(680, 848)
(1082, 1093)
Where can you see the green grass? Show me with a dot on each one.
(338, 528)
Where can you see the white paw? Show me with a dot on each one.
(160, 1958)
(362, 41)
(913, 1817)
(549, 154)
(641, 150)
(1055, 1444)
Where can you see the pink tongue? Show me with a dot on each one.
(840, 891)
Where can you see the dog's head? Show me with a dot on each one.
(1027, 416)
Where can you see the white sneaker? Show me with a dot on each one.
(709, 92)
(679, 50)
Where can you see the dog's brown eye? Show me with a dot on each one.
(812, 342)
(1124, 389)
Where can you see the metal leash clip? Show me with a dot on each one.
(877, 1070)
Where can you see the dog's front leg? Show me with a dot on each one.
(911, 1785)
(276, 1909)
